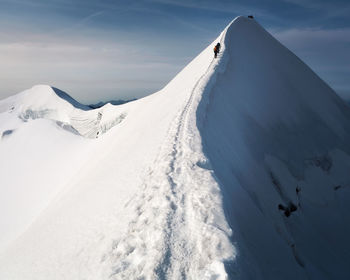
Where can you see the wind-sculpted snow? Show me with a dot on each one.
(237, 169)
(44, 102)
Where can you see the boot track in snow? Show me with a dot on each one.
(171, 236)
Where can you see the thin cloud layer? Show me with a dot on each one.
(325, 50)
(100, 50)
(91, 70)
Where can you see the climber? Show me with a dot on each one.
(288, 209)
(217, 49)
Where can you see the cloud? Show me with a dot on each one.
(146, 42)
(91, 69)
(329, 47)
(217, 6)
(329, 9)
(304, 37)
(326, 51)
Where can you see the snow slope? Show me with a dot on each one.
(50, 103)
(185, 183)
(275, 133)
(139, 205)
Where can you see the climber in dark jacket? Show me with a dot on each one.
(217, 49)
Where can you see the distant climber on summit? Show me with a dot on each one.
(217, 49)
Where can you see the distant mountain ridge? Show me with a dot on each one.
(46, 102)
(113, 102)
(100, 104)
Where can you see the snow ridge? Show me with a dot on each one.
(183, 208)
(278, 140)
(231, 170)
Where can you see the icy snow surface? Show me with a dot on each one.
(237, 169)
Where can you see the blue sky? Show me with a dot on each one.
(111, 49)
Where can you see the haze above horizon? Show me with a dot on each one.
(103, 50)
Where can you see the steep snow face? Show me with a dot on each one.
(278, 140)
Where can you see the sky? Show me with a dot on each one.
(100, 50)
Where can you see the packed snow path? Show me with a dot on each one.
(179, 212)
(173, 225)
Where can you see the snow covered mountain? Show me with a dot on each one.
(237, 169)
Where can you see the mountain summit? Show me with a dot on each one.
(237, 169)
(277, 138)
